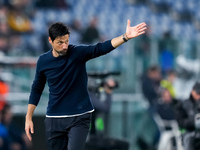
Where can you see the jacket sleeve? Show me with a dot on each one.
(184, 120)
(38, 85)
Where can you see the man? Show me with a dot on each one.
(101, 106)
(69, 107)
(150, 84)
(187, 116)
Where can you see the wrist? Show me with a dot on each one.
(28, 117)
(124, 37)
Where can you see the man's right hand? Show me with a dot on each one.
(29, 123)
(29, 128)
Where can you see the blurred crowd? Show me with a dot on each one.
(18, 36)
(157, 88)
(14, 22)
(166, 109)
(12, 135)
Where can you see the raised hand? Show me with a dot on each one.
(132, 32)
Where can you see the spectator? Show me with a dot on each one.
(17, 48)
(4, 28)
(18, 21)
(91, 33)
(166, 105)
(151, 85)
(76, 31)
(3, 130)
(167, 48)
(101, 106)
(16, 136)
(187, 114)
(4, 89)
(151, 90)
(4, 44)
(168, 82)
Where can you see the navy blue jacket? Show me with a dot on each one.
(67, 79)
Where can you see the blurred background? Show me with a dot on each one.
(171, 42)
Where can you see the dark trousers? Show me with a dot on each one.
(67, 133)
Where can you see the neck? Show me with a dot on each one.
(55, 54)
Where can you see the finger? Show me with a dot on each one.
(142, 29)
(28, 134)
(128, 23)
(140, 26)
(141, 33)
(143, 23)
(32, 130)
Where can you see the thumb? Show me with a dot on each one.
(32, 130)
(128, 23)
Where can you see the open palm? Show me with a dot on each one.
(132, 32)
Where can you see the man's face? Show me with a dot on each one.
(155, 75)
(195, 95)
(60, 45)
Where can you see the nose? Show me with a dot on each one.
(65, 46)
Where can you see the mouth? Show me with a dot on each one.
(64, 50)
(62, 53)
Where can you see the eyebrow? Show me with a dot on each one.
(63, 41)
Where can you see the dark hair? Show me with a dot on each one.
(196, 87)
(6, 107)
(58, 29)
(171, 72)
(154, 68)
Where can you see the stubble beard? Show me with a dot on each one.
(62, 53)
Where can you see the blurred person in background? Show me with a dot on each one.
(168, 82)
(4, 44)
(167, 50)
(4, 145)
(188, 117)
(19, 16)
(101, 98)
(17, 139)
(18, 21)
(4, 90)
(91, 33)
(150, 84)
(76, 28)
(69, 107)
(4, 28)
(102, 107)
(4, 135)
(166, 105)
(15, 25)
(17, 47)
(166, 120)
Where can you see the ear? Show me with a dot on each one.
(50, 41)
